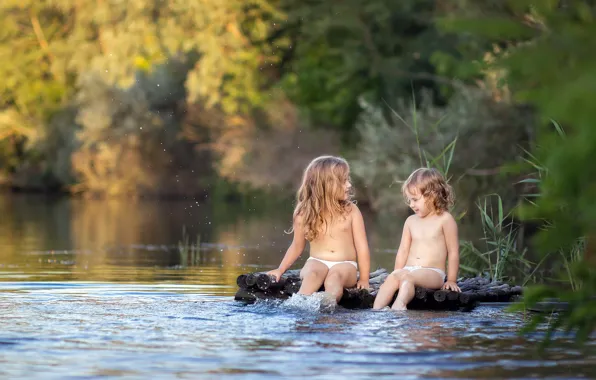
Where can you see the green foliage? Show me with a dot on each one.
(559, 55)
(554, 69)
(344, 50)
(56, 45)
(237, 55)
(394, 143)
(53, 42)
(571, 258)
(501, 258)
(579, 307)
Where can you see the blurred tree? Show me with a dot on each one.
(53, 44)
(345, 50)
(117, 38)
(550, 62)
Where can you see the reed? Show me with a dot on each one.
(189, 253)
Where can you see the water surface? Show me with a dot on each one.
(96, 289)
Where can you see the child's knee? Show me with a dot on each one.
(333, 280)
(391, 282)
(407, 279)
(394, 277)
(312, 274)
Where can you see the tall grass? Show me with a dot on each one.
(441, 160)
(500, 256)
(569, 256)
(189, 253)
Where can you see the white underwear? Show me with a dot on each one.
(412, 268)
(330, 264)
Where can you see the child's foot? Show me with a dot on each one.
(328, 303)
(399, 305)
(386, 308)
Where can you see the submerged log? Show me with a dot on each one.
(292, 286)
(259, 285)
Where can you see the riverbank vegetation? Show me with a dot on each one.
(177, 99)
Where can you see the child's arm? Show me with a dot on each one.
(404, 247)
(362, 251)
(452, 242)
(294, 251)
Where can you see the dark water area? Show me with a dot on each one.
(95, 289)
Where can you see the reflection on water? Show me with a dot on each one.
(44, 238)
(76, 239)
(95, 288)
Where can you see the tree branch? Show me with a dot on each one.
(41, 38)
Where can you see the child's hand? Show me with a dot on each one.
(363, 284)
(276, 273)
(450, 285)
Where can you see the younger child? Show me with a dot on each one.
(326, 216)
(429, 238)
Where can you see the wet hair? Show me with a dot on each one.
(321, 197)
(431, 184)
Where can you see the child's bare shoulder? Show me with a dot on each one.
(412, 218)
(353, 211)
(352, 208)
(353, 214)
(447, 218)
(299, 219)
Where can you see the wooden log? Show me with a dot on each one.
(474, 291)
(252, 295)
(251, 279)
(420, 293)
(440, 295)
(376, 273)
(245, 295)
(453, 296)
(292, 285)
(241, 281)
(268, 282)
(378, 280)
(466, 298)
(516, 290)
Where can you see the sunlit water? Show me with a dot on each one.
(107, 297)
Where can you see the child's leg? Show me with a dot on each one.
(388, 289)
(312, 274)
(426, 278)
(340, 276)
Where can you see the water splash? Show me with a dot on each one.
(320, 302)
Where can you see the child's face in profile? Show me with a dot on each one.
(347, 189)
(418, 203)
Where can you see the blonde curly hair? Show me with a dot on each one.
(431, 184)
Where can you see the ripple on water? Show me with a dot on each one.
(60, 329)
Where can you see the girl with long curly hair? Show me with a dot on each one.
(330, 221)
